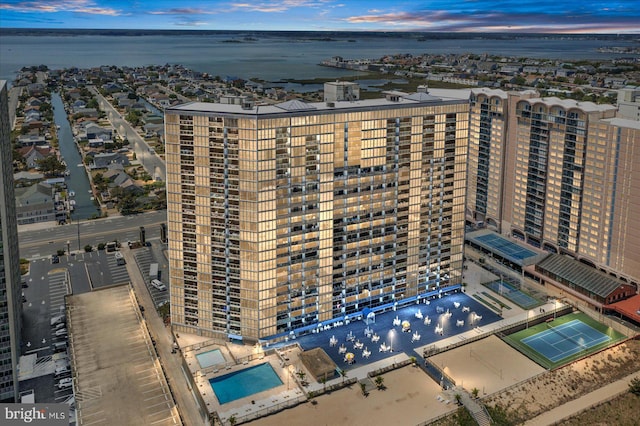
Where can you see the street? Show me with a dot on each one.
(35, 243)
(153, 164)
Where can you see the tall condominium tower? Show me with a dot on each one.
(10, 289)
(286, 215)
(558, 174)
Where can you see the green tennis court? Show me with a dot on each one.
(563, 340)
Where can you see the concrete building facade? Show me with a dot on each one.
(10, 288)
(284, 216)
(558, 174)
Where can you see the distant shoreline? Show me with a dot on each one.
(314, 35)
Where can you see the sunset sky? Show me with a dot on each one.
(585, 16)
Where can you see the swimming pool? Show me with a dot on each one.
(213, 357)
(245, 382)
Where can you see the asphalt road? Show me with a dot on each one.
(38, 243)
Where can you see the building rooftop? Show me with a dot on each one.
(118, 379)
(570, 103)
(402, 100)
(579, 274)
(508, 249)
(623, 122)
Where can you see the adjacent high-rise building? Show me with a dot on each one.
(10, 288)
(558, 174)
(283, 216)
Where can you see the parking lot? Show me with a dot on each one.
(45, 288)
(118, 378)
(145, 256)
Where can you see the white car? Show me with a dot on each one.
(158, 285)
(65, 383)
(58, 319)
(61, 332)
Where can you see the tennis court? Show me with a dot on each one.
(565, 340)
(505, 247)
(515, 295)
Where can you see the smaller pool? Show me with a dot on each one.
(245, 382)
(213, 357)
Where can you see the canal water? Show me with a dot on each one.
(77, 181)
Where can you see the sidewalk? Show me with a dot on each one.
(171, 363)
(574, 407)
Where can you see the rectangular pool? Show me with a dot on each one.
(207, 359)
(245, 382)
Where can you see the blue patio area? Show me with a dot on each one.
(427, 323)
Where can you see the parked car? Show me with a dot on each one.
(55, 259)
(158, 285)
(59, 347)
(62, 370)
(61, 332)
(58, 319)
(65, 383)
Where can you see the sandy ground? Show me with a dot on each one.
(409, 398)
(488, 365)
(555, 388)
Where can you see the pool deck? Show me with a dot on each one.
(286, 363)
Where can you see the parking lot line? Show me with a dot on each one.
(95, 422)
(161, 403)
(162, 395)
(164, 420)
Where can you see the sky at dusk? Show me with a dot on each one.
(560, 16)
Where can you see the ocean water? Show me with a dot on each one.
(271, 56)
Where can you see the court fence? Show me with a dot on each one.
(501, 331)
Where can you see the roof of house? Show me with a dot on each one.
(41, 193)
(28, 176)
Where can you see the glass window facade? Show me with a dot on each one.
(280, 220)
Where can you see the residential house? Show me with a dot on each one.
(95, 131)
(35, 204)
(122, 180)
(88, 112)
(31, 140)
(79, 105)
(103, 160)
(33, 154)
(23, 179)
(35, 89)
(95, 143)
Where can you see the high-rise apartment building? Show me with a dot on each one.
(10, 289)
(282, 216)
(558, 174)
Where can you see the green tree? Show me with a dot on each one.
(379, 382)
(634, 386)
(363, 388)
(51, 166)
(93, 103)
